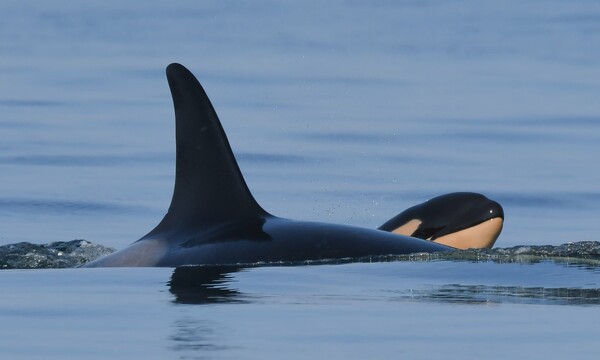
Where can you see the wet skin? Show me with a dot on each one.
(213, 218)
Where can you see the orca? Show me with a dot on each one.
(213, 219)
(462, 220)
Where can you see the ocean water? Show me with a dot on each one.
(354, 311)
(345, 112)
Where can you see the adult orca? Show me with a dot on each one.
(213, 218)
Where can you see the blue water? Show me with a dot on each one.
(354, 311)
(345, 112)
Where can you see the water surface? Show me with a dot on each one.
(344, 112)
(415, 309)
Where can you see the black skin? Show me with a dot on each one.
(213, 218)
(447, 214)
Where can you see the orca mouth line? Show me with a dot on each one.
(482, 235)
(453, 230)
(462, 220)
(213, 218)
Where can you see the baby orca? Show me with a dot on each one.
(462, 220)
(213, 218)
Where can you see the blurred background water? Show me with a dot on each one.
(346, 112)
(343, 111)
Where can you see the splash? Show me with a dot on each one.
(78, 252)
(582, 251)
(59, 254)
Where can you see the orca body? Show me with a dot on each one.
(214, 219)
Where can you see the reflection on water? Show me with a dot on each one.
(217, 284)
(201, 338)
(204, 285)
(197, 336)
(483, 294)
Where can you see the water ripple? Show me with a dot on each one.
(30, 103)
(46, 206)
(272, 158)
(83, 160)
(484, 294)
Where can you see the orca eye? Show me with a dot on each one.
(447, 214)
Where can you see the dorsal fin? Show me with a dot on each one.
(209, 187)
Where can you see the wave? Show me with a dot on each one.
(78, 252)
(54, 255)
(496, 294)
